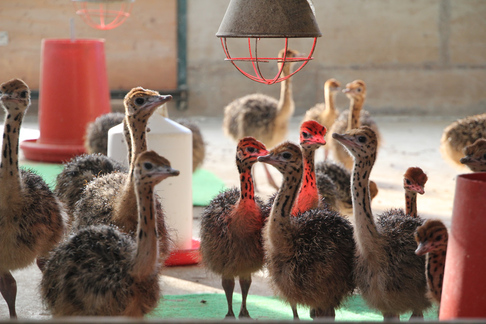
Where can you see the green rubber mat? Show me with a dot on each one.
(205, 184)
(213, 307)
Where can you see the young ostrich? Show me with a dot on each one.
(100, 271)
(110, 199)
(388, 273)
(96, 137)
(78, 172)
(261, 116)
(414, 181)
(340, 177)
(432, 240)
(325, 113)
(231, 225)
(310, 257)
(31, 220)
(459, 134)
(475, 156)
(351, 119)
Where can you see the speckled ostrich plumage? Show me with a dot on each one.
(309, 257)
(110, 199)
(475, 156)
(459, 134)
(231, 228)
(388, 273)
(101, 271)
(77, 173)
(31, 219)
(432, 238)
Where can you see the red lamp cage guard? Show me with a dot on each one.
(106, 19)
(278, 19)
(255, 60)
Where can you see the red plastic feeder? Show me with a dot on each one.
(73, 92)
(464, 291)
(185, 257)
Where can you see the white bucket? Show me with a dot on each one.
(174, 142)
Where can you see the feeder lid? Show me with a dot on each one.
(269, 19)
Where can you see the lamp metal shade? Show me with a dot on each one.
(269, 19)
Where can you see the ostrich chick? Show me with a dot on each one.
(261, 116)
(110, 199)
(31, 220)
(414, 181)
(432, 240)
(475, 156)
(310, 257)
(80, 170)
(336, 175)
(96, 137)
(77, 173)
(388, 272)
(100, 271)
(351, 119)
(459, 134)
(231, 225)
(325, 113)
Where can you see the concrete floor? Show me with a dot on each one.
(408, 141)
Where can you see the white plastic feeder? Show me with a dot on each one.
(174, 142)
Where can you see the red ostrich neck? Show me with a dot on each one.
(308, 197)
(247, 190)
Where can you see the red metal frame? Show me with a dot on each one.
(108, 19)
(255, 60)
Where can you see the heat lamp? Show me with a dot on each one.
(104, 14)
(264, 19)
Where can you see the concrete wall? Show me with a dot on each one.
(142, 51)
(422, 57)
(416, 57)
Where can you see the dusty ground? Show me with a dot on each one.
(408, 141)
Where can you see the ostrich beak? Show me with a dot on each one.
(422, 249)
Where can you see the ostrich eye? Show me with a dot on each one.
(305, 135)
(148, 166)
(23, 94)
(250, 149)
(408, 181)
(287, 155)
(358, 89)
(362, 139)
(140, 101)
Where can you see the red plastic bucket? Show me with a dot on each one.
(464, 290)
(73, 92)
